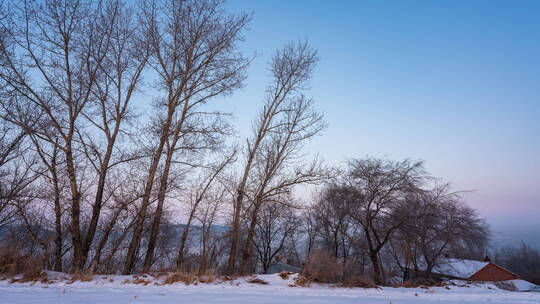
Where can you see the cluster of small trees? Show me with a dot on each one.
(111, 139)
(380, 216)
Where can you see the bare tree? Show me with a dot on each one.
(119, 218)
(278, 164)
(208, 214)
(50, 157)
(285, 122)
(119, 78)
(198, 195)
(334, 224)
(376, 189)
(63, 52)
(14, 178)
(310, 229)
(276, 226)
(12, 137)
(333, 218)
(439, 224)
(194, 53)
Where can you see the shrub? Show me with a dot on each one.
(322, 267)
(13, 262)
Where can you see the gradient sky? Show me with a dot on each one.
(454, 83)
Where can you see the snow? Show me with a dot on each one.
(459, 268)
(239, 291)
(522, 285)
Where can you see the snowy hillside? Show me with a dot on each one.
(121, 290)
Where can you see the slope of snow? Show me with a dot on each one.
(522, 285)
(111, 289)
(459, 268)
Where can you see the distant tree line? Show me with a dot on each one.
(115, 157)
(522, 260)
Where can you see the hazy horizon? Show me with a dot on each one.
(455, 84)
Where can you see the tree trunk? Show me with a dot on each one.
(75, 210)
(203, 260)
(57, 216)
(137, 232)
(185, 234)
(265, 267)
(105, 238)
(159, 210)
(235, 232)
(246, 252)
(98, 204)
(374, 257)
(58, 230)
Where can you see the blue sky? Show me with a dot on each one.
(454, 83)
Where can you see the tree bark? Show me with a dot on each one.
(75, 211)
(98, 203)
(374, 257)
(141, 216)
(57, 223)
(235, 232)
(159, 209)
(185, 233)
(246, 252)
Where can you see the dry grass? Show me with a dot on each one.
(34, 274)
(83, 276)
(14, 263)
(302, 280)
(208, 277)
(407, 284)
(421, 284)
(139, 281)
(257, 281)
(190, 277)
(229, 278)
(285, 275)
(158, 274)
(359, 281)
(185, 277)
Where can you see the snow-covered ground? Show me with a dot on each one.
(101, 290)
